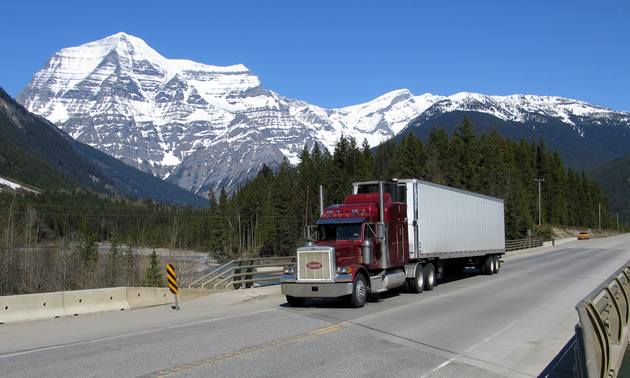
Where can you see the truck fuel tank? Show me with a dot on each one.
(367, 252)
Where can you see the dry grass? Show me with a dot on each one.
(569, 232)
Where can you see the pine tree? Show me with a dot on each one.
(265, 225)
(307, 188)
(466, 156)
(385, 160)
(153, 276)
(286, 226)
(412, 157)
(366, 163)
(342, 169)
(492, 170)
(87, 247)
(438, 156)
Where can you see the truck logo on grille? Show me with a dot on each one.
(314, 265)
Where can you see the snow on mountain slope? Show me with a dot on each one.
(203, 126)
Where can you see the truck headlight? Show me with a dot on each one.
(343, 270)
(290, 270)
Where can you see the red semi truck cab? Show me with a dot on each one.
(353, 225)
(356, 241)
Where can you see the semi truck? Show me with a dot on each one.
(395, 234)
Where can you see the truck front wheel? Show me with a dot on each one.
(359, 292)
(295, 301)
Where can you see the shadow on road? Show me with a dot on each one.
(562, 365)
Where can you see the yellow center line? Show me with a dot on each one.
(244, 352)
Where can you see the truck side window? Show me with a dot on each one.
(369, 231)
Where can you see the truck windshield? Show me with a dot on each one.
(339, 231)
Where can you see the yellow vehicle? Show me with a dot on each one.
(584, 235)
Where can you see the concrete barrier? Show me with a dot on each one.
(97, 300)
(16, 308)
(149, 296)
(31, 307)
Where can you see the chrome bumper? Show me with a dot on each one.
(316, 290)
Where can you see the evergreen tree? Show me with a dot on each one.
(113, 269)
(307, 188)
(385, 161)
(366, 163)
(438, 156)
(265, 226)
(87, 246)
(466, 156)
(412, 157)
(286, 227)
(153, 276)
(493, 169)
(557, 189)
(343, 168)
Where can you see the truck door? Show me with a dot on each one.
(369, 233)
(400, 243)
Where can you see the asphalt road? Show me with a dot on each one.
(518, 323)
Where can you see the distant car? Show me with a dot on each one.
(584, 235)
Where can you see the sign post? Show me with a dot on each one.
(172, 282)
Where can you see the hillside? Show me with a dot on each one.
(35, 152)
(595, 143)
(614, 180)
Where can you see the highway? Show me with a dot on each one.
(518, 323)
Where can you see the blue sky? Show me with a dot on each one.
(339, 53)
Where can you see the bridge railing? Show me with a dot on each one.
(244, 272)
(518, 244)
(602, 333)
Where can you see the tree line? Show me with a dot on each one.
(48, 242)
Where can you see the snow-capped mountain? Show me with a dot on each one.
(526, 108)
(203, 126)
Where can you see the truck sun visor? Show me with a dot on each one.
(340, 220)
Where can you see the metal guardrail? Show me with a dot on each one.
(602, 333)
(514, 245)
(245, 272)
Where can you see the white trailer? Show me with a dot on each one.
(445, 223)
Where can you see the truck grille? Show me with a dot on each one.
(315, 264)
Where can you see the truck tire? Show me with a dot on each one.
(497, 263)
(488, 265)
(416, 284)
(295, 301)
(359, 291)
(429, 276)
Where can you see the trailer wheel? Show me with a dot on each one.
(429, 277)
(295, 301)
(497, 263)
(359, 292)
(416, 284)
(488, 265)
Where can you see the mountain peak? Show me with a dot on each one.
(202, 126)
(125, 45)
